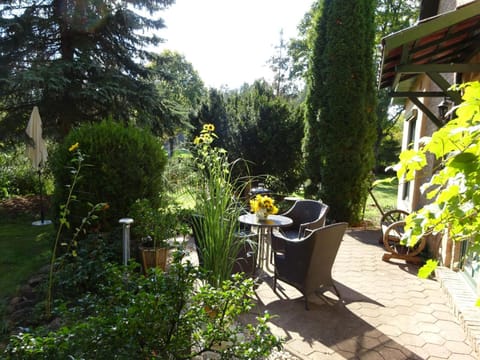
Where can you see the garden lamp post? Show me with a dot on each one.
(126, 222)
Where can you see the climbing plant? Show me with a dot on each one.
(453, 189)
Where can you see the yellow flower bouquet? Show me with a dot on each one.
(263, 206)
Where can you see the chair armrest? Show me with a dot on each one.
(313, 225)
(308, 231)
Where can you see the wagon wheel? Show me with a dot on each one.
(392, 243)
(389, 218)
(393, 216)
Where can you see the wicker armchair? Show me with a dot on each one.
(306, 214)
(306, 263)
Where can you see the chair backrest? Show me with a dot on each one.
(292, 263)
(325, 248)
(306, 214)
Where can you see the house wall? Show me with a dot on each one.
(472, 76)
(448, 5)
(439, 247)
(413, 199)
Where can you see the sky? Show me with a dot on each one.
(229, 42)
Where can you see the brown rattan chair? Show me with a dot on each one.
(306, 263)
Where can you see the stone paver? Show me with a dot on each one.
(385, 311)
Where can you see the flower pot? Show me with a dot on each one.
(154, 257)
(262, 214)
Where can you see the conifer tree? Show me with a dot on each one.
(340, 107)
(77, 61)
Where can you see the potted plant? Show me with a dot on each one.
(154, 225)
(262, 206)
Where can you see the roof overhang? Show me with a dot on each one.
(441, 44)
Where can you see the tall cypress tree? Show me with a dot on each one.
(340, 113)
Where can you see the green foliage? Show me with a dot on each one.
(181, 90)
(154, 225)
(453, 188)
(91, 216)
(160, 316)
(80, 273)
(17, 176)
(390, 16)
(299, 49)
(266, 131)
(122, 164)
(77, 61)
(213, 110)
(340, 115)
(260, 128)
(425, 271)
(215, 190)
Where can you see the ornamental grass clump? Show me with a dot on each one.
(217, 209)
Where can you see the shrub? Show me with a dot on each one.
(80, 274)
(124, 164)
(17, 176)
(161, 316)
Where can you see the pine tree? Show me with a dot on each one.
(77, 61)
(340, 113)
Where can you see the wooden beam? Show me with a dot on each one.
(427, 111)
(438, 68)
(417, 94)
(445, 85)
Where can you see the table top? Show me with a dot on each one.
(291, 198)
(272, 221)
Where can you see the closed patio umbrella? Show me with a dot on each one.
(36, 147)
(37, 153)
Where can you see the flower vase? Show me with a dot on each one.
(261, 214)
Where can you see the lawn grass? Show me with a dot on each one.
(24, 249)
(386, 195)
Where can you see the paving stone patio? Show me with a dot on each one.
(385, 311)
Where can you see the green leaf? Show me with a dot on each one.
(427, 269)
(447, 194)
(464, 161)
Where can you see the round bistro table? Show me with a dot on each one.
(264, 233)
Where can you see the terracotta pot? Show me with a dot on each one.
(154, 257)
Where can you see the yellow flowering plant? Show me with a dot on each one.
(264, 205)
(72, 245)
(216, 190)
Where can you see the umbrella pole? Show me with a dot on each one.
(42, 214)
